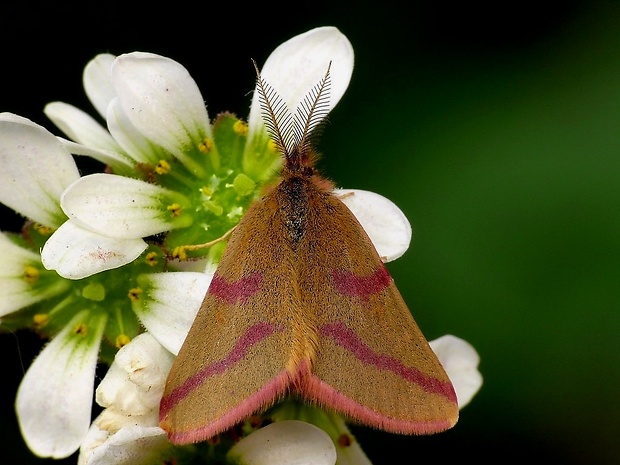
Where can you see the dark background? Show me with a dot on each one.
(495, 128)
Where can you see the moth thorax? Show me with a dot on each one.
(293, 202)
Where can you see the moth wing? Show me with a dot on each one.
(372, 362)
(234, 359)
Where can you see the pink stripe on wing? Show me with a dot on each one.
(237, 291)
(252, 336)
(345, 337)
(351, 285)
(262, 398)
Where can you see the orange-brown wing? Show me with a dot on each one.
(236, 358)
(372, 363)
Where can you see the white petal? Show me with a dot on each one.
(115, 389)
(54, 399)
(135, 382)
(117, 206)
(114, 159)
(97, 80)
(16, 292)
(289, 442)
(298, 64)
(124, 132)
(34, 170)
(127, 430)
(131, 445)
(80, 126)
(76, 253)
(171, 305)
(14, 257)
(162, 101)
(113, 421)
(13, 118)
(460, 360)
(385, 223)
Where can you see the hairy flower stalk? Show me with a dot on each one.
(112, 267)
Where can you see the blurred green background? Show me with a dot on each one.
(494, 128)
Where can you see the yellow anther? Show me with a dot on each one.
(179, 252)
(240, 128)
(40, 319)
(163, 167)
(31, 274)
(175, 209)
(205, 146)
(151, 259)
(121, 340)
(134, 294)
(43, 230)
(80, 329)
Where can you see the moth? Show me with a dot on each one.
(302, 305)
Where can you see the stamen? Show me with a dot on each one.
(205, 146)
(43, 230)
(151, 259)
(121, 340)
(163, 167)
(240, 128)
(80, 329)
(31, 274)
(179, 252)
(134, 294)
(40, 320)
(175, 209)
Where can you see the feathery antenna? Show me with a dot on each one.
(294, 135)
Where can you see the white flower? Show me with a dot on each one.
(126, 432)
(155, 112)
(35, 170)
(54, 399)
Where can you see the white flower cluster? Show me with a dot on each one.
(155, 116)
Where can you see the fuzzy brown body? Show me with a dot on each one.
(301, 304)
